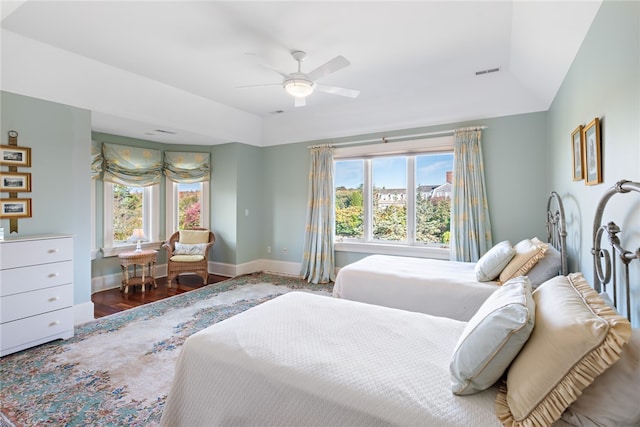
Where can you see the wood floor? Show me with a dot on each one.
(114, 300)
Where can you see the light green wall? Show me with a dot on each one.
(604, 82)
(250, 204)
(515, 157)
(59, 137)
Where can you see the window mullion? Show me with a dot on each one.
(411, 199)
(368, 201)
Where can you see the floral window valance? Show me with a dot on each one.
(187, 168)
(96, 159)
(133, 166)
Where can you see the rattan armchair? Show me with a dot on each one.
(178, 264)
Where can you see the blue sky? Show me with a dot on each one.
(390, 172)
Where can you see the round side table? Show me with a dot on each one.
(145, 258)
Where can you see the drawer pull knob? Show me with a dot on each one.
(54, 323)
(53, 251)
(53, 275)
(52, 299)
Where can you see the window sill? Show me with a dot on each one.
(390, 249)
(116, 250)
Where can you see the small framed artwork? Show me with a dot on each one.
(15, 182)
(592, 153)
(11, 155)
(577, 155)
(15, 208)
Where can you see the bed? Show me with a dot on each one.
(444, 288)
(308, 360)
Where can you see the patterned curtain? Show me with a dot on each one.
(470, 224)
(187, 168)
(96, 159)
(318, 262)
(133, 166)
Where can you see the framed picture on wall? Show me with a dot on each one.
(577, 155)
(11, 155)
(15, 182)
(592, 153)
(15, 208)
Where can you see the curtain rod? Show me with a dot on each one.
(386, 139)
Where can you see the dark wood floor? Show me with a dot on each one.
(114, 300)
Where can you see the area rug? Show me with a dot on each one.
(117, 370)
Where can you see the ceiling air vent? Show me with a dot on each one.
(165, 131)
(489, 71)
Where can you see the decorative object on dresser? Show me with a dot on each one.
(36, 291)
(13, 182)
(146, 258)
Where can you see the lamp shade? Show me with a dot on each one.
(137, 236)
(298, 87)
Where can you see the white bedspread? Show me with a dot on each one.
(436, 287)
(309, 360)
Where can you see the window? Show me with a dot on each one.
(396, 194)
(127, 208)
(187, 206)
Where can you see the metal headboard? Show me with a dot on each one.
(557, 228)
(604, 267)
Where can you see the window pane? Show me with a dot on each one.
(389, 198)
(189, 201)
(434, 175)
(127, 211)
(349, 178)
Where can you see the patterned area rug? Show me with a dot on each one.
(117, 370)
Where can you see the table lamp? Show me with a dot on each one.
(137, 236)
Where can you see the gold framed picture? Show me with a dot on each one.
(592, 153)
(17, 182)
(15, 208)
(12, 155)
(577, 155)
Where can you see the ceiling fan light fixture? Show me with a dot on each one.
(299, 88)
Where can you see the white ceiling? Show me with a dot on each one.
(145, 66)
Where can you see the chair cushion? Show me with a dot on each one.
(187, 258)
(191, 237)
(186, 249)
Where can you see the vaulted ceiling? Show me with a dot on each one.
(172, 71)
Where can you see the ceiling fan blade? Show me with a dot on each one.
(334, 90)
(337, 63)
(299, 101)
(260, 85)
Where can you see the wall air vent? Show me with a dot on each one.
(489, 71)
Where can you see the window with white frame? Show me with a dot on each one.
(127, 208)
(187, 205)
(394, 194)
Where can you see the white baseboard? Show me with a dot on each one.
(82, 312)
(112, 281)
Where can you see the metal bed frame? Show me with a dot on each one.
(605, 268)
(557, 228)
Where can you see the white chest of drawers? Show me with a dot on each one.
(36, 291)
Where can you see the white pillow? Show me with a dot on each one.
(491, 264)
(493, 337)
(184, 249)
(612, 398)
(546, 268)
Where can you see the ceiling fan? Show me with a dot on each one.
(300, 85)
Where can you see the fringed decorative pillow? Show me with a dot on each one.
(528, 253)
(576, 337)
